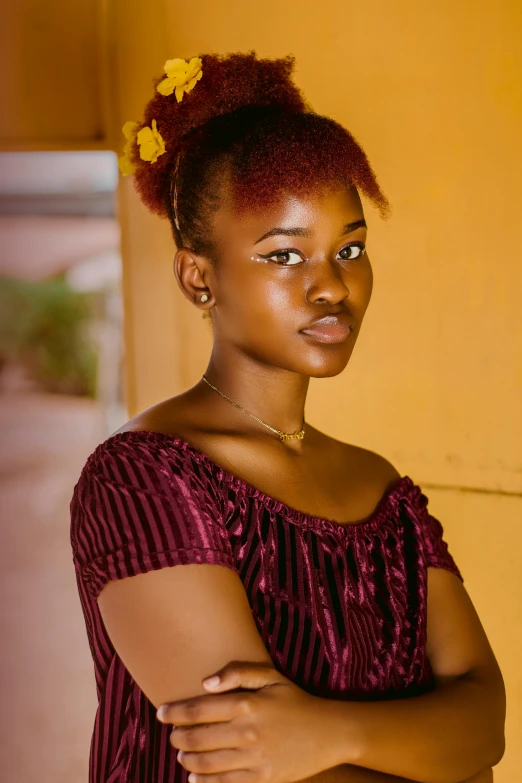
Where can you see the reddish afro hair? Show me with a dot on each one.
(244, 118)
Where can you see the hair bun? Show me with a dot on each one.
(223, 84)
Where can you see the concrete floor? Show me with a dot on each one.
(47, 679)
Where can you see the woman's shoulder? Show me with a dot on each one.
(372, 470)
(151, 431)
(144, 456)
(145, 500)
(141, 453)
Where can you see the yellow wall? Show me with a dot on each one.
(432, 90)
(54, 75)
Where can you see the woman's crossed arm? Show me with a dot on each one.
(195, 619)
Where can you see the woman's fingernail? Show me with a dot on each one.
(212, 682)
(192, 778)
(161, 712)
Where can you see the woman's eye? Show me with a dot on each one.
(358, 249)
(286, 258)
(292, 257)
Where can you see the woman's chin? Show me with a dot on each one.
(326, 372)
(327, 368)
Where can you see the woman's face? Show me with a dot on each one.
(268, 292)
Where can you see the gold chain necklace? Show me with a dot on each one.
(282, 435)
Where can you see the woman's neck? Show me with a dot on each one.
(275, 395)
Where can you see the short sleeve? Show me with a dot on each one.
(141, 504)
(431, 533)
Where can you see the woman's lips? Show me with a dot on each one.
(328, 332)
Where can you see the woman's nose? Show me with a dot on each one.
(326, 284)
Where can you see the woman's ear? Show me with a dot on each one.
(192, 273)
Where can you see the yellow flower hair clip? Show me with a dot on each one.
(150, 143)
(125, 164)
(181, 76)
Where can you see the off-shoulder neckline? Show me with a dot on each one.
(400, 487)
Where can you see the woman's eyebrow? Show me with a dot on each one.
(305, 232)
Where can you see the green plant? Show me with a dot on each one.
(45, 327)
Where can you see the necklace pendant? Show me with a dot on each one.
(291, 436)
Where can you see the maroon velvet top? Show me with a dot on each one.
(341, 608)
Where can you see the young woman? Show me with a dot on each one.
(316, 584)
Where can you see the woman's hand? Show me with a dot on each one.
(272, 732)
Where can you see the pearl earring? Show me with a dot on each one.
(204, 297)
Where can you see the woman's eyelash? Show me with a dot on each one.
(288, 250)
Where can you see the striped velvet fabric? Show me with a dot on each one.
(341, 608)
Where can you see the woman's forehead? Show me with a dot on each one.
(303, 211)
